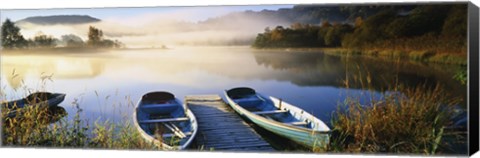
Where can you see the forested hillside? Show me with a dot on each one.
(418, 31)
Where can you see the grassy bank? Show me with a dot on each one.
(426, 56)
(416, 55)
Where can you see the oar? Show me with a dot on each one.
(173, 130)
(178, 130)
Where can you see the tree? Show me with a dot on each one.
(358, 21)
(111, 44)
(118, 44)
(72, 40)
(11, 37)
(95, 37)
(325, 24)
(267, 30)
(371, 30)
(297, 26)
(455, 24)
(322, 32)
(422, 20)
(336, 33)
(262, 40)
(276, 34)
(44, 41)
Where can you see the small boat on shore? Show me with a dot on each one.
(279, 117)
(161, 119)
(39, 99)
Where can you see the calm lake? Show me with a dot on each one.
(106, 85)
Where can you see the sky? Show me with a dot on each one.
(192, 14)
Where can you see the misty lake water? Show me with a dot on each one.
(106, 85)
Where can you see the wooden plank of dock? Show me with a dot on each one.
(220, 128)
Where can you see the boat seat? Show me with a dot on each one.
(247, 102)
(158, 106)
(298, 123)
(165, 120)
(247, 99)
(169, 135)
(269, 112)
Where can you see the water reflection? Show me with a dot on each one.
(318, 69)
(16, 69)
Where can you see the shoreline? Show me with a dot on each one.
(424, 56)
(69, 50)
(417, 55)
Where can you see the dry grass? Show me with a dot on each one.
(404, 120)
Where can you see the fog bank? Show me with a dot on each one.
(155, 30)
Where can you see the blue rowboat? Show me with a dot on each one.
(37, 99)
(162, 120)
(279, 117)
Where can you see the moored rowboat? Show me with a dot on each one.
(161, 119)
(37, 99)
(279, 117)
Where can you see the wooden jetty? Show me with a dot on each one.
(220, 128)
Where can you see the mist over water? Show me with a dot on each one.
(170, 29)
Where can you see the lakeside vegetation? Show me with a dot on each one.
(404, 121)
(421, 119)
(12, 39)
(430, 33)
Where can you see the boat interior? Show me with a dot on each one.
(248, 99)
(163, 117)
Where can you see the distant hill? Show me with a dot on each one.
(311, 14)
(59, 19)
